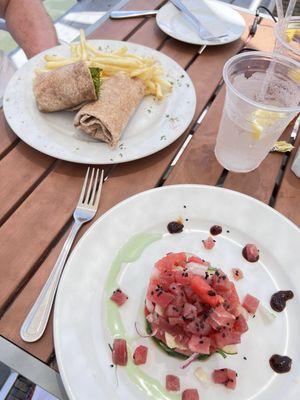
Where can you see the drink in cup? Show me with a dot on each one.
(262, 98)
(288, 38)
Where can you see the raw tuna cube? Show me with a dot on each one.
(119, 297)
(183, 276)
(190, 394)
(172, 311)
(198, 260)
(179, 301)
(188, 292)
(189, 311)
(140, 355)
(166, 278)
(199, 345)
(231, 383)
(237, 274)
(176, 321)
(197, 303)
(205, 292)
(208, 243)
(119, 352)
(226, 377)
(240, 324)
(250, 303)
(220, 282)
(172, 383)
(220, 375)
(171, 260)
(232, 300)
(176, 289)
(198, 327)
(158, 296)
(226, 337)
(220, 317)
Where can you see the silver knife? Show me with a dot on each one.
(203, 33)
(132, 14)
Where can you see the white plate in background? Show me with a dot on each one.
(218, 18)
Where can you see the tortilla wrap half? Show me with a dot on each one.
(106, 118)
(64, 88)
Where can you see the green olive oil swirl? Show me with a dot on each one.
(130, 252)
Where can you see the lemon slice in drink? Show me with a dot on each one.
(291, 33)
(261, 119)
(295, 75)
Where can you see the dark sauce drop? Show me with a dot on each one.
(216, 230)
(279, 299)
(250, 253)
(280, 364)
(175, 227)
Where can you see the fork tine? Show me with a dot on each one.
(88, 193)
(99, 190)
(84, 186)
(95, 187)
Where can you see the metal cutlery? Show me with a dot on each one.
(37, 319)
(203, 33)
(132, 14)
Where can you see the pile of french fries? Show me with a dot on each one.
(145, 68)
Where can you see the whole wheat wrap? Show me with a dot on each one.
(65, 88)
(106, 118)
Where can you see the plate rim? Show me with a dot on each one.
(201, 42)
(76, 158)
(110, 211)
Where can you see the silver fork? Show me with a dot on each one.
(36, 321)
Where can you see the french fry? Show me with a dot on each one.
(73, 51)
(145, 68)
(41, 70)
(138, 72)
(159, 94)
(57, 64)
(121, 62)
(54, 58)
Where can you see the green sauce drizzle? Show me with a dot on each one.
(130, 252)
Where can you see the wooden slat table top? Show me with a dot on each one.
(39, 192)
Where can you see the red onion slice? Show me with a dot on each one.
(154, 332)
(189, 360)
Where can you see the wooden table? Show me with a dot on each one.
(39, 193)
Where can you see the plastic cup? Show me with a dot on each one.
(288, 38)
(262, 98)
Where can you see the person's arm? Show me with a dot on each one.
(29, 24)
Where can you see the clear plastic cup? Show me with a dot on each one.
(288, 38)
(262, 98)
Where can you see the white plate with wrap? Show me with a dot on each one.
(120, 249)
(154, 126)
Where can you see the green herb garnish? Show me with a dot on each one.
(96, 77)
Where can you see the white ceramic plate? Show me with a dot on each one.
(218, 18)
(154, 126)
(80, 328)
